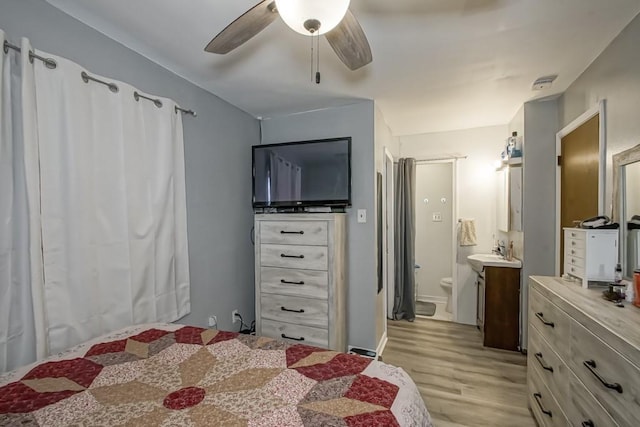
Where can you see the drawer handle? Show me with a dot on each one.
(541, 317)
(291, 311)
(291, 256)
(291, 283)
(538, 396)
(291, 232)
(588, 423)
(292, 338)
(542, 363)
(591, 365)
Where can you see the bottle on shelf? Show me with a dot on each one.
(617, 278)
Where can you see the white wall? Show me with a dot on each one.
(357, 121)
(434, 245)
(475, 192)
(217, 155)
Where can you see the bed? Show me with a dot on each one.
(176, 375)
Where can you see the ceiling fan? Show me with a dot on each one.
(309, 17)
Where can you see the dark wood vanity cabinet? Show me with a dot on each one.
(498, 307)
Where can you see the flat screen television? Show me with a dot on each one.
(302, 174)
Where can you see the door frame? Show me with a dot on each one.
(388, 246)
(599, 108)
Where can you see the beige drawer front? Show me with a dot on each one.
(575, 261)
(290, 256)
(574, 252)
(287, 281)
(623, 404)
(549, 365)
(551, 322)
(583, 409)
(295, 333)
(575, 235)
(302, 311)
(543, 405)
(574, 270)
(574, 244)
(294, 232)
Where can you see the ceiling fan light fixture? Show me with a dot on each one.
(297, 13)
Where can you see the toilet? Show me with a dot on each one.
(447, 285)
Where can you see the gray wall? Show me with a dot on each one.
(217, 155)
(356, 121)
(614, 76)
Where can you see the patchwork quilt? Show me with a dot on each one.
(174, 375)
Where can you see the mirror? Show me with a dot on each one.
(626, 207)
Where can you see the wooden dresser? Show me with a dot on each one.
(583, 357)
(300, 278)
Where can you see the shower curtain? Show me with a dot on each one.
(105, 192)
(404, 306)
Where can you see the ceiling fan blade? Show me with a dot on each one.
(245, 27)
(350, 43)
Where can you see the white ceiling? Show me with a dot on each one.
(438, 64)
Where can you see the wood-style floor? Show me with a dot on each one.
(461, 382)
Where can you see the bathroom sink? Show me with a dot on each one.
(480, 261)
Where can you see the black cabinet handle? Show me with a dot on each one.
(591, 366)
(588, 423)
(291, 232)
(538, 396)
(291, 311)
(542, 319)
(291, 283)
(292, 256)
(292, 338)
(542, 363)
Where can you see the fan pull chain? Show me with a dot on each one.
(311, 56)
(318, 59)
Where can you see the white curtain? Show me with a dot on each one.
(285, 178)
(17, 318)
(94, 231)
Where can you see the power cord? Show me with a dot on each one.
(246, 329)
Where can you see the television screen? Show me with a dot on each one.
(306, 173)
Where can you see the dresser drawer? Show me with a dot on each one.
(598, 365)
(295, 333)
(583, 409)
(300, 283)
(293, 256)
(575, 235)
(574, 252)
(303, 311)
(551, 322)
(550, 367)
(573, 270)
(575, 261)
(543, 405)
(576, 244)
(294, 232)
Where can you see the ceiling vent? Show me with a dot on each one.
(544, 82)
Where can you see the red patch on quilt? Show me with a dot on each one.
(298, 352)
(80, 371)
(17, 398)
(223, 336)
(189, 335)
(372, 390)
(373, 419)
(150, 335)
(107, 347)
(340, 366)
(184, 398)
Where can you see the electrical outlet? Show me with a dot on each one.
(213, 321)
(234, 317)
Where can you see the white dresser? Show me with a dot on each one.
(590, 255)
(583, 366)
(300, 278)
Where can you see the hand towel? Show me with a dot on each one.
(468, 235)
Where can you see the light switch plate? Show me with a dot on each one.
(437, 217)
(362, 216)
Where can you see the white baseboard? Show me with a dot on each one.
(436, 300)
(382, 344)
